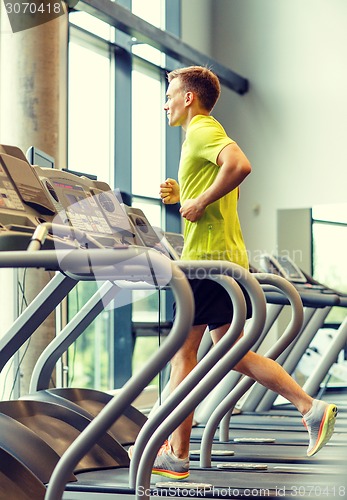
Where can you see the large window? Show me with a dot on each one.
(147, 172)
(329, 231)
(116, 100)
(89, 125)
(90, 130)
(329, 240)
(89, 360)
(147, 131)
(152, 11)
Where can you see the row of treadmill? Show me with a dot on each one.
(72, 443)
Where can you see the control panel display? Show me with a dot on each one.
(80, 207)
(27, 184)
(283, 266)
(9, 197)
(145, 234)
(38, 194)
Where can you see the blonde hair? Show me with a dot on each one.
(200, 80)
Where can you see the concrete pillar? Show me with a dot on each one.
(33, 87)
(33, 102)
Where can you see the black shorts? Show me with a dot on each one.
(213, 306)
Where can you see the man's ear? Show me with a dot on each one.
(189, 98)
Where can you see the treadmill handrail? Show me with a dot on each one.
(114, 261)
(131, 264)
(216, 373)
(321, 369)
(314, 319)
(309, 298)
(34, 315)
(132, 388)
(47, 360)
(194, 377)
(293, 328)
(257, 393)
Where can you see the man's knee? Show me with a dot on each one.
(184, 356)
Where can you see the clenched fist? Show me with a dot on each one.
(169, 192)
(192, 210)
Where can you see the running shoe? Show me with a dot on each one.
(167, 464)
(319, 422)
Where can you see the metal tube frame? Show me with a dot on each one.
(288, 336)
(215, 374)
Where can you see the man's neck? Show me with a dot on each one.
(191, 114)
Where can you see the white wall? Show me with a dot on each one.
(292, 123)
(196, 21)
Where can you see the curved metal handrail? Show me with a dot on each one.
(216, 373)
(229, 402)
(115, 408)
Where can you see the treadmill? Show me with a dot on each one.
(251, 427)
(25, 194)
(57, 188)
(324, 299)
(274, 475)
(258, 477)
(70, 211)
(109, 482)
(312, 298)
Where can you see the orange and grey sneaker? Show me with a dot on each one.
(167, 464)
(320, 422)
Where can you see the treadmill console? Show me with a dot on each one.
(145, 235)
(172, 242)
(175, 243)
(86, 205)
(283, 266)
(31, 195)
(27, 184)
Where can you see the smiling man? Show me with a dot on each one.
(212, 167)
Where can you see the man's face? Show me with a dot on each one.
(175, 105)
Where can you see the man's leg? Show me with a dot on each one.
(181, 365)
(269, 374)
(319, 417)
(173, 457)
(264, 370)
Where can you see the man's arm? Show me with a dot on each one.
(234, 168)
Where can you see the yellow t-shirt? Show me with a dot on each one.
(217, 235)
